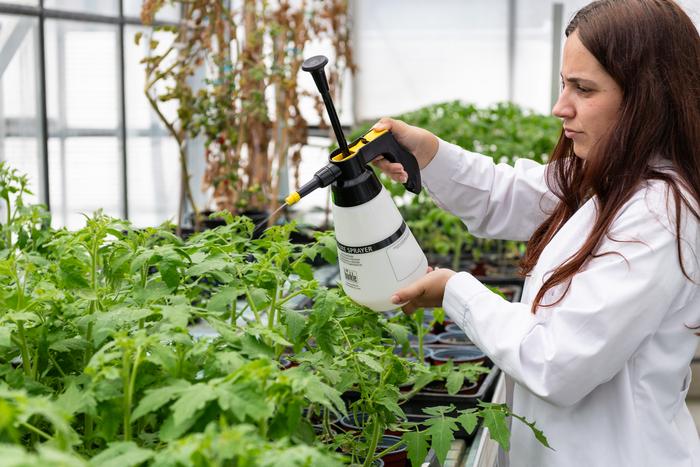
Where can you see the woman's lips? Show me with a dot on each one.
(570, 133)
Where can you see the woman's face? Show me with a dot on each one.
(590, 98)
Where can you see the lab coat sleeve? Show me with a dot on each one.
(493, 200)
(563, 352)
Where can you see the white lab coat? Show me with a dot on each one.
(605, 372)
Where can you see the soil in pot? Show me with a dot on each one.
(454, 338)
(458, 354)
(438, 387)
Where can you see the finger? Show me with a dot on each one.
(409, 308)
(410, 293)
(384, 123)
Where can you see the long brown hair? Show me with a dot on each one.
(652, 50)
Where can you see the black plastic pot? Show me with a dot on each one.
(454, 338)
(439, 387)
(396, 458)
(458, 354)
(427, 339)
(356, 421)
(412, 353)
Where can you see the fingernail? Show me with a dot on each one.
(404, 179)
(395, 299)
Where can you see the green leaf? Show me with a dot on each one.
(399, 332)
(221, 300)
(539, 435)
(190, 401)
(495, 420)
(370, 362)
(179, 315)
(75, 401)
(455, 380)
(156, 398)
(68, 345)
(441, 433)
(121, 454)
(417, 444)
(304, 271)
(295, 323)
(468, 419)
(169, 273)
(5, 337)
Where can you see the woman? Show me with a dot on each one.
(598, 351)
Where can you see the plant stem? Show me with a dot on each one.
(129, 394)
(35, 430)
(26, 361)
(374, 440)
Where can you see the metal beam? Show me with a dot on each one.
(557, 30)
(13, 42)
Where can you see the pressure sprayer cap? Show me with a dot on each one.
(314, 65)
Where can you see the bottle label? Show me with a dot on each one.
(359, 250)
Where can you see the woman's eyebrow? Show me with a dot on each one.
(577, 80)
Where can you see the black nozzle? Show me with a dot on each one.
(315, 65)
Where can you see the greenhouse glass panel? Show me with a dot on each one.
(20, 131)
(414, 53)
(169, 12)
(153, 169)
(22, 2)
(83, 114)
(85, 174)
(99, 7)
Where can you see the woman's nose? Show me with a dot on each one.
(563, 108)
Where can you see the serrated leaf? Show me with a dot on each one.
(417, 444)
(304, 271)
(169, 273)
(221, 300)
(495, 420)
(258, 298)
(68, 345)
(455, 380)
(468, 419)
(75, 401)
(190, 401)
(179, 315)
(121, 454)
(441, 433)
(5, 337)
(399, 332)
(208, 265)
(370, 362)
(539, 435)
(295, 323)
(156, 398)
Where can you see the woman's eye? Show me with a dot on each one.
(582, 90)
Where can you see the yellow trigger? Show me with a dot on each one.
(373, 134)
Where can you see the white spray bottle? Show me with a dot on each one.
(377, 253)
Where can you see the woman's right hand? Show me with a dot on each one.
(419, 142)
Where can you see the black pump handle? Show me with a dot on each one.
(387, 146)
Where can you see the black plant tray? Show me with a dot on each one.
(415, 405)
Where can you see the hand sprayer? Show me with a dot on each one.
(377, 253)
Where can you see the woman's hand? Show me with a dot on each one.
(419, 142)
(425, 292)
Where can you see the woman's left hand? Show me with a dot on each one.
(425, 292)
